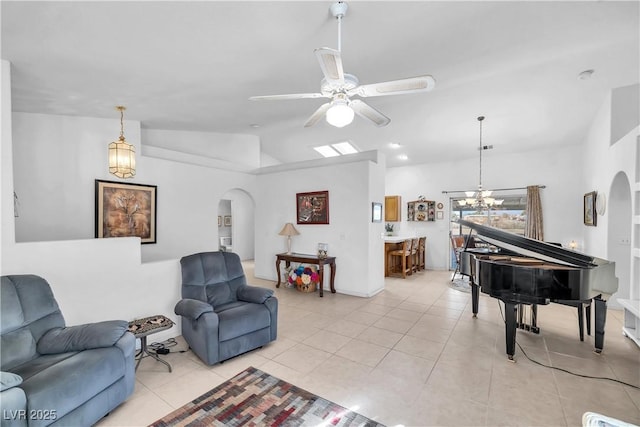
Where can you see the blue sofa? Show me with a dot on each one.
(57, 375)
(222, 316)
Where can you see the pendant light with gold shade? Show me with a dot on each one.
(122, 155)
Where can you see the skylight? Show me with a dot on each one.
(326, 151)
(337, 149)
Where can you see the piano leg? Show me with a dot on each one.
(601, 317)
(510, 328)
(475, 296)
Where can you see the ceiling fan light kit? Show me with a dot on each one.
(339, 114)
(339, 87)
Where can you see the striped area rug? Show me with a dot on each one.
(255, 398)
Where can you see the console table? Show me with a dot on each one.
(309, 259)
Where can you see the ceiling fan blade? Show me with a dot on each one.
(368, 112)
(331, 65)
(317, 115)
(395, 87)
(288, 96)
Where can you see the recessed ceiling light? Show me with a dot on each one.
(586, 74)
(403, 157)
(254, 125)
(326, 151)
(394, 145)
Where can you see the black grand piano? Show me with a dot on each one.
(518, 270)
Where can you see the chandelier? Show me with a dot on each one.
(122, 155)
(480, 199)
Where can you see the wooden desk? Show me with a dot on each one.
(309, 259)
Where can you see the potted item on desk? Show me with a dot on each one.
(389, 229)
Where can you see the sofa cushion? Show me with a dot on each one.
(219, 294)
(16, 348)
(241, 319)
(32, 367)
(74, 380)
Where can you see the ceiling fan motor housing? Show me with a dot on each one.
(339, 9)
(350, 82)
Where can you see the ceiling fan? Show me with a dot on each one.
(339, 87)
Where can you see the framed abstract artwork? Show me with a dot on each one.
(589, 205)
(125, 210)
(312, 208)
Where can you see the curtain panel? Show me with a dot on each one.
(534, 227)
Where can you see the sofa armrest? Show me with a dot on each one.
(254, 294)
(82, 337)
(14, 407)
(192, 308)
(9, 380)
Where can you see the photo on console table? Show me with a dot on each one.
(125, 210)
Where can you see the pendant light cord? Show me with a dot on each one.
(480, 119)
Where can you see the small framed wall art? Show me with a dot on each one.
(589, 205)
(376, 212)
(125, 210)
(227, 220)
(312, 208)
(219, 221)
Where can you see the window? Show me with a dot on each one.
(511, 216)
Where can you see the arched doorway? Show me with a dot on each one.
(619, 233)
(237, 211)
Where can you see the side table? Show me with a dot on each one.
(141, 328)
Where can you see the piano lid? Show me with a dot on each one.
(530, 247)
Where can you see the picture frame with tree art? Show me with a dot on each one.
(125, 210)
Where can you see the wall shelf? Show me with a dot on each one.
(631, 327)
(421, 210)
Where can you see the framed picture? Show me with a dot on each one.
(312, 208)
(219, 221)
(125, 210)
(376, 212)
(227, 220)
(439, 215)
(590, 217)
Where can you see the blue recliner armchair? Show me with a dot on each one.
(222, 316)
(57, 375)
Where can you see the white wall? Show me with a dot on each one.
(350, 234)
(57, 159)
(559, 169)
(604, 159)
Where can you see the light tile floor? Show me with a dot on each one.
(414, 355)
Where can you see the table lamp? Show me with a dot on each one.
(288, 230)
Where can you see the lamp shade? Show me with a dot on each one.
(340, 114)
(122, 155)
(288, 230)
(122, 159)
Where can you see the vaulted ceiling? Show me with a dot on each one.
(193, 65)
